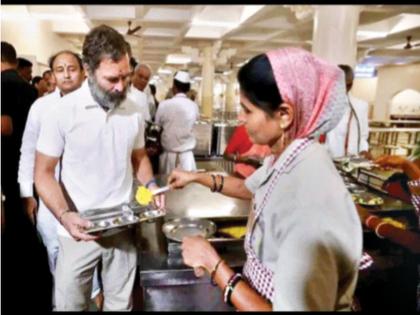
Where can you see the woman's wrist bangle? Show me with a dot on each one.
(213, 272)
(222, 181)
(60, 218)
(227, 293)
(377, 229)
(369, 218)
(213, 188)
(152, 181)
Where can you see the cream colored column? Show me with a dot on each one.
(230, 92)
(334, 33)
(207, 83)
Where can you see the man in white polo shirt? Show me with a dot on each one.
(99, 136)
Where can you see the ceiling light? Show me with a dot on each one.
(371, 34)
(164, 71)
(198, 22)
(178, 59)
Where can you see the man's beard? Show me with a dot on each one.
(107, 100)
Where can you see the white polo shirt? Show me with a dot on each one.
(95, 146)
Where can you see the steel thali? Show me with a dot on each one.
(178, 228)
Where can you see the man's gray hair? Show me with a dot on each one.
(143, 65)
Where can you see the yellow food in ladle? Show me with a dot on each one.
(144, 196)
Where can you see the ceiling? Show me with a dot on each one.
(236, 32)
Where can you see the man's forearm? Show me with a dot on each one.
(51, 193)
(144, 171)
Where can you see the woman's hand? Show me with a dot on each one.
(179, 179)
(158, 200)
(198, 253)
(391, 161)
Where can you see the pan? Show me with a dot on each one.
(177, 229)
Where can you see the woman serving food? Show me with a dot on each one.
(304, 237)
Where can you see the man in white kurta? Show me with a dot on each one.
(350, 136)
(140, 99)
(68, 71)
(177, 117)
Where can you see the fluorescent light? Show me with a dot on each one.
(365, 71)
(164, 71)
(198, 22)
(370, 34)
(178, 59)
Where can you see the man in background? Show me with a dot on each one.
(24, 69)
(177, 117)
(50, 80)
(40, 85)
(141, 77)
(350, 136)
(136, 95)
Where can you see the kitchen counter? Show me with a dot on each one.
(164, 283)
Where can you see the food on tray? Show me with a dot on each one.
(395, 223)
(367, 199)
(144, 196)
(237, 232)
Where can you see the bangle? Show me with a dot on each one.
(233, 281)
(222, 178)
(213, 272)
(368, 219)
(62, 214)
(213, 177)
(153, 180)
(377, 229)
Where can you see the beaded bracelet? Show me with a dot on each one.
(233, 281)
(377, 229)
(213, 272)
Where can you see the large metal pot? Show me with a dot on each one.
(223, 132)
(203, 135)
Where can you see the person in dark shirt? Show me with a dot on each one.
(16, 98)
(24, 260)
(24, 68)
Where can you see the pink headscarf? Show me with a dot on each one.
(315, 88)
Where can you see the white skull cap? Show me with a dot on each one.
(183, 77)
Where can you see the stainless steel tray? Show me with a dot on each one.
(120, 216)
(367, 199)
(178, 228)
